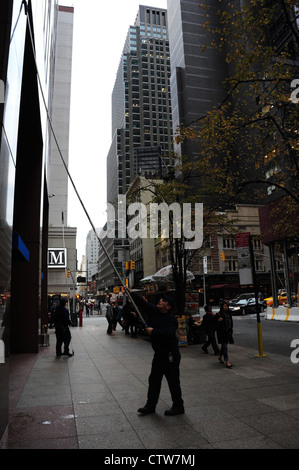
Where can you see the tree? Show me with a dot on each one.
(251, 137)
(248, 143)
(181, 193)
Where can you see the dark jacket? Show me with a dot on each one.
(165, 325)
(128, 317)
(209, 322)
(62, 317)
(225, 328)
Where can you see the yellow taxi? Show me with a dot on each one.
(282, 299)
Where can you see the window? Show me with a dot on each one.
(229, 242)
(231, 264)
(256, 243)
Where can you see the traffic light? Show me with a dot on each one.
(127, 265)
(68, 273)
(222, 256)
(132, 265)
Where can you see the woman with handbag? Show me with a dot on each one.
(225, 333)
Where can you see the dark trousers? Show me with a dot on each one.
(63, 336)
(110, 326)
(212, 341)
(162, 366)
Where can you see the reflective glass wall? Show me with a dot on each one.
(23, 151)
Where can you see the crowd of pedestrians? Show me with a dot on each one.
(125, 316)
(214, 329)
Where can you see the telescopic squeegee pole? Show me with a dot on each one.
(120, 279)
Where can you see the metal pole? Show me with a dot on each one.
(259, 325)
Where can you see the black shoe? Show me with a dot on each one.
(59, 355)
(174, 411)
(205, 350)
(146, 410)
(67, 354)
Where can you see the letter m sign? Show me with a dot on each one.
(56, 257)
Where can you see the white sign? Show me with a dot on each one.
(57, 257)
(244, 259)
(205, 265)
(2, 352)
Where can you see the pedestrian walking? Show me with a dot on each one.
(62, 331)
(87, 308)
(110, 318)
(162, 327)
(209, 324)
(130, 319)
(118, 314)
(225, 332)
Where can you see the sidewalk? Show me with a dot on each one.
(90, 401)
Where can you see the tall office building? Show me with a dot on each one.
(92, 249)
(141, 117)
(141, 104)
(33, 35)
(62, 238)
(196, 75)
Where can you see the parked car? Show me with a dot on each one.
(245, 306)
(246, 296)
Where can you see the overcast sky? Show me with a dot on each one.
(100, 30)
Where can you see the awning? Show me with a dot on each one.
(220, 286)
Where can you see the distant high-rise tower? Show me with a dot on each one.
(141, 104)
(196, 75)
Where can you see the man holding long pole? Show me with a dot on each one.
(162, 327)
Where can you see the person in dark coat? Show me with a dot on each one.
(209, 324)
(130, 318)
(110, 318)
(62, 331)
(161, 327)
(225, 332)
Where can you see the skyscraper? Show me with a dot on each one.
(196, 74)
(61, 236)
(141, 104)
(141, 116)
(27, 57)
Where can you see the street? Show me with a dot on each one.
(277, 335)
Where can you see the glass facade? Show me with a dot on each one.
(23, 194)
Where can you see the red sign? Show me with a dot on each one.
(242, 239)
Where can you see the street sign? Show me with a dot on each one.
(244, 258)
(205, 265)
